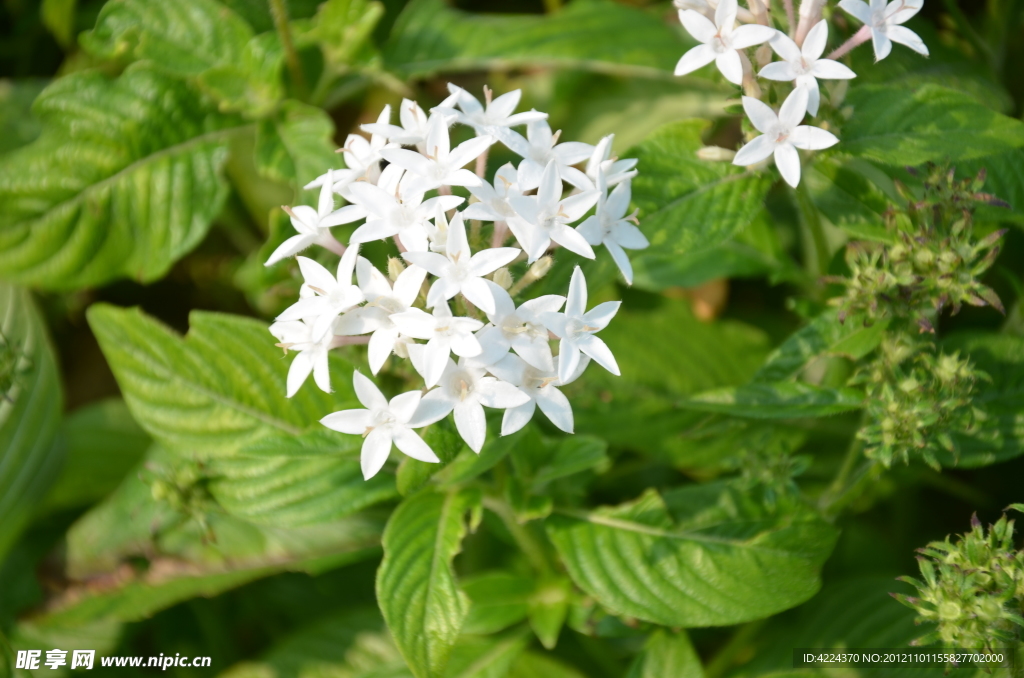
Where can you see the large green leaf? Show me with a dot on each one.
(184, 37)
(849, 192)
(899, 126)
(16, 119)
(694, 558)
(667, 654)
(688, 205)
(295, 146)
(30, 407)
(430, 37)
(416, 587)
(123, 182)
(218, 389)
(784, 400)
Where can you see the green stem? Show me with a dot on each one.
(814, 230)
(839, 483)
(527, 542)
(280, 14)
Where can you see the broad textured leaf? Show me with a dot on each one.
(252, 84)
(849, 192)
(686, 204)
(498, 600)
(898, 126)
(667, 654)
(184, 37)
(694, 558)
(103, 444)
(16, 120)
(430, 37)
(548, 607)
(344, 27)
(125, 180)
(444, 439)
(487, 657)
(416, 586)
(824, 336)
(782, 400)
(1000, 436)
(30, 408)
(295, 145)
(216, 390)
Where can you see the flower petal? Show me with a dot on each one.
(382, 343)
(601, 315)
(489, 260)
(568, 359)
(731, 66)
(290, 247)
(412, 445)
(376, 448)
(404, 405)
(751, 34)
(471, 423)
(812, 138)
(761, 115)
(827, 69)
(500, 394)
(599, 351)
(788, 161)
(621, 260)
(556, 407)
(857, 8)
(815, 41)
(433, 407)
(479, 294)
(697, 25)
(368, 393)
(785, 47)
(905, 36)
(755, 151)
(698, 57)
(354, 422)
(517, 417)
(781, 71)
(794, 108)
(881, 43)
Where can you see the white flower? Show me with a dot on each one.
(884, 22)
(444, 334)
(413, 131)
(499, 112)
(519, 329)
(493, 202)
(381, 424)
(539, 149)
(402, 211)
(459, 270)
(383, 302)
(610, 226)
(465, 389)
(615, 171)
(805, 65)
(440, 164)
(297, 335)
(576, 328)
(540, 386)
(782, 134)
(312, 224)
(545, 217)
(333, 295)
(707, 8)
(362, 158)
(722, 40)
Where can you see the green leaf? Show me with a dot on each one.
(218, 389)
(103, 444)
(295, 146)
(489, 657)
(344, 27)
(59, 17)
(688, 205)
(667, 654)
(719, 560)
(898, 126)
(431, 37)
(16, 119)
(468, 465)
(823, 337)
(416, 587)
(182, 38)
(252, 85)
(1000, 435)
(1003, 172)
(534, 664)
(853, 194)
(498, 600)
(784, 400)
(125, 180)
(548, 607)
(446, 443)
(30, 407)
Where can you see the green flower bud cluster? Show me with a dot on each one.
(771, 468)
(184, 488)
(933, 261)
(971, 589)
(915, 398)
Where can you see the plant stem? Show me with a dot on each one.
(528, 544)
(280, 14)
(790, 17)
(838, 486)
(814, 230)
(855, 40)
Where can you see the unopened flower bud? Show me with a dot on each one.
(541, 267)
(502, 278)
(716, 154)
(764, 55)
(395, 268)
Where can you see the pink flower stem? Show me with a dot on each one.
(790, 17)
(810, 14)
(398, 243)
(500, 233)
(481, 164)
(857, 39)
(328, 241)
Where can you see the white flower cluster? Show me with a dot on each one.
(399, 184)
(715, 23)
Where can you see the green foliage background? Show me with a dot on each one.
(159, 494)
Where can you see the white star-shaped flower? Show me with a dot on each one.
(440, 164)
(412, 132)
(466, 389)
(805, 65)
(444, 334)
(541, 387)
(493, 204)
(722, 40)
(539, 149)
(383, 301)
(615, 171)
(498, 113)
(362, 158)
(610, 226)
(884, 19)
(333, 295)
(545, 216)
(459, 270)
(297, 335)
(576, 327)
(381, 424)
(313, 224)
(519, 329)
(782, 134)
(401, 211)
